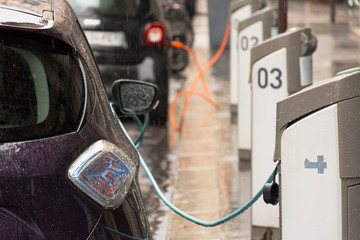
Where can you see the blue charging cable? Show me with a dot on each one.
(198, 221)
(174, 208)
(139, 139)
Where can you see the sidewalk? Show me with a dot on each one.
(207, 162)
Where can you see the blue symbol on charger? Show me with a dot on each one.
(320, 164)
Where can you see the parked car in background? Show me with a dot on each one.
(182, 31)
(129, 39)
(67, 168)
(190, 6)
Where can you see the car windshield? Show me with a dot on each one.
(41, 87)
(121, 8)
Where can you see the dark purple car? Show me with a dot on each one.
(67, 169)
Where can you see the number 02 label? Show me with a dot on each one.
(249, 37)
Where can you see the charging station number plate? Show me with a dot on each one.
(269, 86)
(237, 16)
(248, 38)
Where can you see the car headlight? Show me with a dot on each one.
(104, 173)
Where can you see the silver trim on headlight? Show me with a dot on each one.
(104, 173)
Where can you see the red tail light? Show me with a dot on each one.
(154, 34)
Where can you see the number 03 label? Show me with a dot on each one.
(269, 85)
(270, 73)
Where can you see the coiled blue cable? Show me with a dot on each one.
(180, 212)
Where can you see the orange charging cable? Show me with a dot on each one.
(189, 91)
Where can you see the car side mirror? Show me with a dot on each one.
(134, 96)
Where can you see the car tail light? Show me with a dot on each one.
(154, 34)
(104, 173)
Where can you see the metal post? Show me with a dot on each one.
(332, 11)
(282, 16)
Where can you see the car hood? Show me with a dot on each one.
(36, 198)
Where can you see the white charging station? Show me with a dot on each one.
(275, 74)
(239, 10)
(318, 146)
(251, 32)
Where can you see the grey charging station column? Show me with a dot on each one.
(281, 66)
(318, 146)
(239, 10)
(252, 31)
